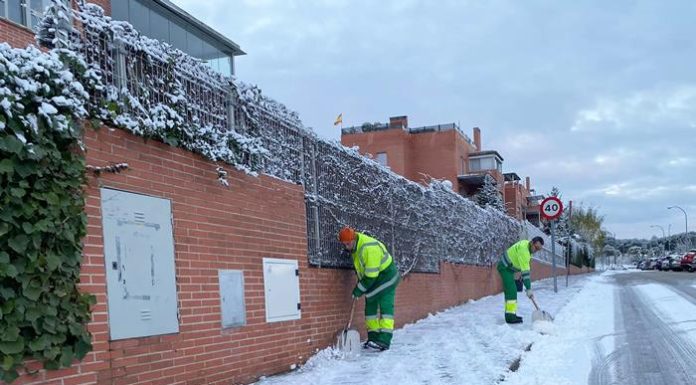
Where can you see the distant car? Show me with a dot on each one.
(640, 265)
(665, 263)
(651, 264)
(675, 264)
(688, 261)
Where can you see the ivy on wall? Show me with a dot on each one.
(43, 315)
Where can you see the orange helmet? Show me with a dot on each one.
(346, 234)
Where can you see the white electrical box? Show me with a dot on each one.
(139, 258)
(281, 282)
(232, 306)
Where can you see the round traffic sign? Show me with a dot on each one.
(551, 208)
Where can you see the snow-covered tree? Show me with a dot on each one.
(490, 195)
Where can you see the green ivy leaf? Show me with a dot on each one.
(4, 229)
(66, 357)
(7, 166)
(24, 169)
(52, 198)
(7, 362)
(10, 375)
(17, 192)
(4, 257)
(11, 144)
(19, 243)
(27, 227)
(52, 261)
(12, 347)
(82, 348)
(10, 270)
(7, 293)
(33, 293)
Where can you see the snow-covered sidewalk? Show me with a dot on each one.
(468, 344)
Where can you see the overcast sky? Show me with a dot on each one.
(595, 97)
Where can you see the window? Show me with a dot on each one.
(24, 12)
(474, 164)
(462, 165)
(15, 11)
(381, 158)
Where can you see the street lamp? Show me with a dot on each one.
(663, 236)
(686, 224)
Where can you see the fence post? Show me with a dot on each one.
(315, 189)
(120, 72)
(231, 123)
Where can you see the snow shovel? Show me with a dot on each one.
(348, 340)
(540, 315)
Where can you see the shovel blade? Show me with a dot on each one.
(348, 341)
(541, 315)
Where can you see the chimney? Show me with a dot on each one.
(527, 184)
(477, 138)
(398, 122)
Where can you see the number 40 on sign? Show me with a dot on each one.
(551, 208)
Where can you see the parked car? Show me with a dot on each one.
(640, 265)
(665, 263)
(651, 264)
(675, 263)
(688, 261)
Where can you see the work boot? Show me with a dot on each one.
(513, 319)
(381, 345)
(375, 345)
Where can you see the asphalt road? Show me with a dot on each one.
(649, 350)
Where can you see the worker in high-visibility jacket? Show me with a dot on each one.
(378, 278)
(517, 259)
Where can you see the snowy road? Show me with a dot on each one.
(632, 327)
(656, 324)
(624, 327)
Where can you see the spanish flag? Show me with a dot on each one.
(339, 119)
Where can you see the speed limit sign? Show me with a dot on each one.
(551, 208)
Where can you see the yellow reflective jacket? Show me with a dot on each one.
(518, 258)
(373, 264)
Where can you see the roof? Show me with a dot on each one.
(471, 179)
(511, 177)
(484, 153)
(232, 47)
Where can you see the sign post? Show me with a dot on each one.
(551, 208)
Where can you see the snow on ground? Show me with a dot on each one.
(672, 308)
(468, 344)
(583, 326)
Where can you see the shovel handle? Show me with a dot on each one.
(352, 310)
(534, 302)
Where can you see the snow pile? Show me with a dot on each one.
(582, 329)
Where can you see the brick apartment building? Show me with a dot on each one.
(442, 151)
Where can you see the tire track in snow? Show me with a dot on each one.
(650, 352)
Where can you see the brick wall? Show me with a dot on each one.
(228, 228)
(16, 35)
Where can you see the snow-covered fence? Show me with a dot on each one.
(530, 231)
(420, 225)
(154, 90)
